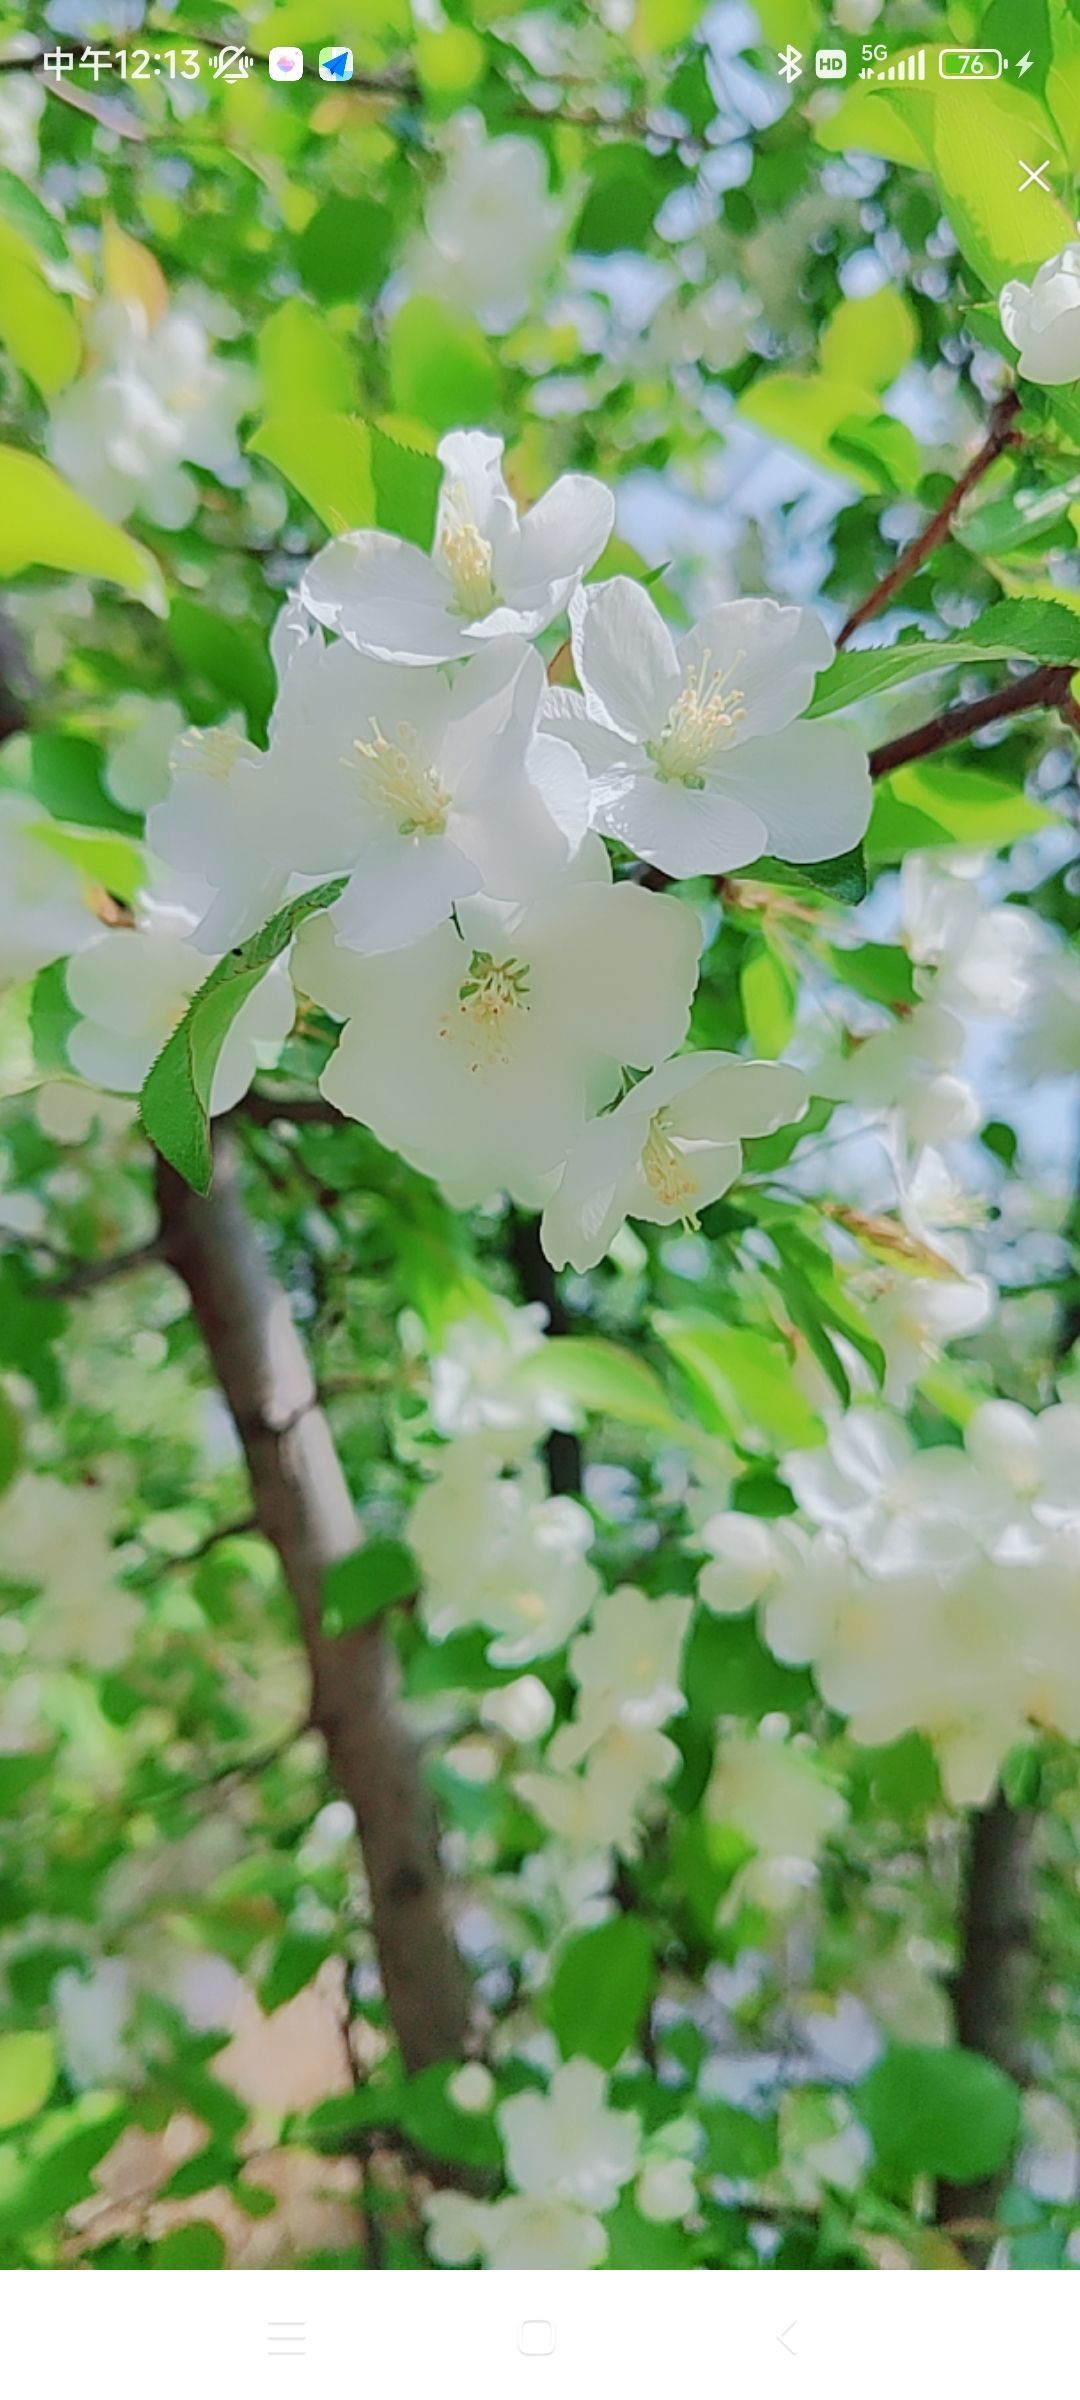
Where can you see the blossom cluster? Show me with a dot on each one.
(930, 1590)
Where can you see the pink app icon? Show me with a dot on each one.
(286, 66)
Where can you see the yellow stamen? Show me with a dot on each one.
(666, 1170)
(492, 994)
(467, 556)
(701, 721)
(212, 750)
(394, 774)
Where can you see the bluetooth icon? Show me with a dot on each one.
(790, 63)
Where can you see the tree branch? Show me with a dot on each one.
(993, 1984)
(1043, 687)
(303, 1508)
(1001, 436)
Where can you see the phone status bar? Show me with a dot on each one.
(877, 64)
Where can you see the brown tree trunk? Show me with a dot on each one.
(302, 1506)
(992, 1987)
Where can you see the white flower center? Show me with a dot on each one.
(701, 721)
(213, 750)
(491, 996)
(395, 774)
(468, 558)
(665, 1168)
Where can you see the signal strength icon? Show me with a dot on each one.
(906, 70)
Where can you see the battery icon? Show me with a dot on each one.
(972, 66)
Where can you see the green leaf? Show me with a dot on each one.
(65, 775)
(359, 1587)
(974, 136)
(603, 1377)
(175, 1101)
(105, 859)
(870, 339)
(196, 2247)
(44, 523)
(1042, 630)
(923, 806)
(944, 2112)
(52, 1018)
(327, 459)
(442, 369)
(600, 1989)
(769, 993)
(353, 474)
(728, 1672)
(742, 1379)
(406, 483)
(428, 2116)
(27, 2075)
(345, 249)
(227, 655)
(295, 1964)
(839, 424)
(20, 207)
(10, 1440)
(302, 364)
(37, 326)
(626, 189)
(739, 2146)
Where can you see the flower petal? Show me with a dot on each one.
(625, 656)
(683, 831)
(810, 785)
(386, 597)
(770, 653)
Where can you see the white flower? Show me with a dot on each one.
(56, 1537)
(489, 572)
(472, 2088)
(22, 99)
(985, 959)
(709, 327)
(422, 786)
(743, 1562)
(477, 1390)
(566, 2143)
(666, 2190)
(92, 2013)
(45, 912)
(670, 1147)
(776, 1797)
(897, 1506)
(523, 1710)
(915, 1317)
(136, 769)
(513, 2232)
(477, 1053)
(496, 1550)
(907, 1069)
(599, 1808)
(694, 756)
(491, 228)
(154, 397)
(131, 988)
(627, 1665)
(1042, 319)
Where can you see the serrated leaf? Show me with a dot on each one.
(1042, 630)
(175, 1100)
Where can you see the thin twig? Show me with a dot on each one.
(85, 1274)
(1001, 436)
